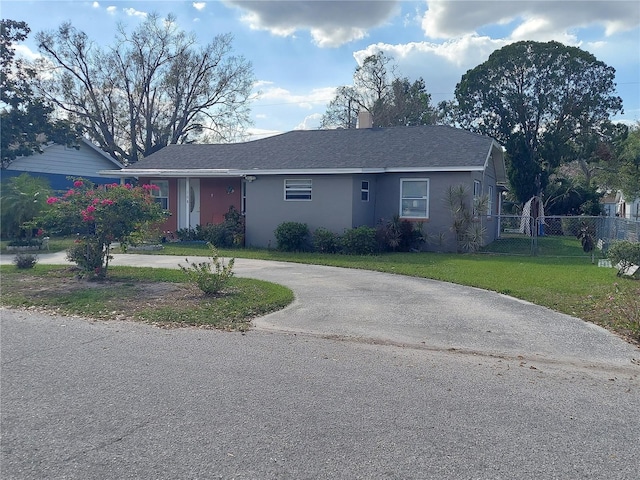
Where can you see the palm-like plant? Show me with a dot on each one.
(466, 218)
(22, 198)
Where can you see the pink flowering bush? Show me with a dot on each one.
(99, 216)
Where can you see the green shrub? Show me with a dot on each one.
(624, 254)
(227, 234)
(25, 242)
(219, 235)
(25, 260)
(359, 241)
(235, 222)
(89, 255)
(189, 234)
(325, 241)
(210, 277)
(292, 236)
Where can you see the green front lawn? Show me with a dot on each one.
(571, 285)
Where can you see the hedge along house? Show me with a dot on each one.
(336, 179)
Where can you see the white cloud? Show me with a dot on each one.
(440, 65)
(330, 23)
(257, 133)
(278, 96)
(132, 12)
(337, 35)
(261, 83)
(95, 5)
(112, 9)
(25, 52)
(533, 19)
(199, 5)
(461, 53)
(310, 122)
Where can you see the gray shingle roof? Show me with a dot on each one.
(400, 147)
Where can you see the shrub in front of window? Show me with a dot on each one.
(399, 235)
(325, 241)
(219, 235)
(292, 236)
(359, 241)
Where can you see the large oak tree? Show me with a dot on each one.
(153, 87)
(541, 101)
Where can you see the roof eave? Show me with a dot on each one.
(207, 172)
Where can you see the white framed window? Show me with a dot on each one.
(477, 188)
(364, 191)
(477, 193)
(414, 197)
(297, 189)
(161, 193)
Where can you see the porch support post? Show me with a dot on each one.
(187, 202)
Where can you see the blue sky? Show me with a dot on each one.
(302, 50)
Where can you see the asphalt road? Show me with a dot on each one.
(366, 375)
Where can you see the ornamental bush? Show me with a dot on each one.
(25, 260)
(292, 236)
(360, 241)
(325, 241)
(99, 216)
(210, 277)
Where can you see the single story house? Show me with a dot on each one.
(336, 179)
(57, 162)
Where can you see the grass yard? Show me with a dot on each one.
(158, 296)
(568, 284)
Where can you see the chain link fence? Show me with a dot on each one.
(558, 236)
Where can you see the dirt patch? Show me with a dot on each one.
(122, 299)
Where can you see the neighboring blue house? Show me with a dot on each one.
(57, 162)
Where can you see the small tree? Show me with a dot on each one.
(99, 216)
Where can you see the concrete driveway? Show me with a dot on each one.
(393, 309)
(364, 376)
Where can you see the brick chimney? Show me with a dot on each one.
(365, 119)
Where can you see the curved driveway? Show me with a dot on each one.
(391, 378)
(386, 308)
